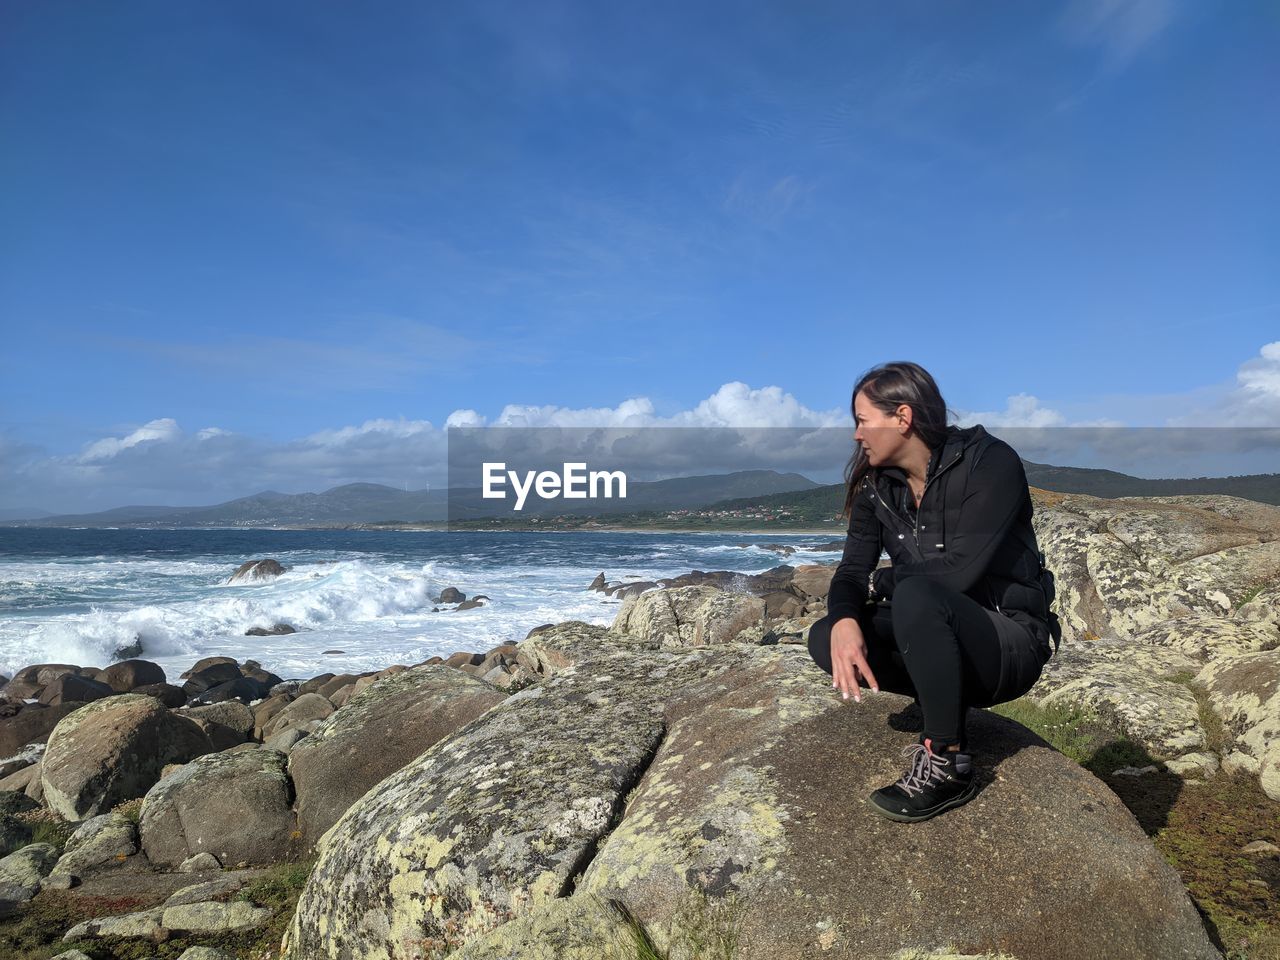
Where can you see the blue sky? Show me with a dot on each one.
(281, 238)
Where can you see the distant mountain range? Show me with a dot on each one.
(374, 503)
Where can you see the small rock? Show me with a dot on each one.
(309, 706)
(129, 675)
(73, 955)
(256, 570)
(1135, 771)
(1237, 762)
(211, 676)
(245, 689)
(99, 841)
(1196, 764)
(214, 917)
(451, 595)
(206, 662)
(333, 653)
(204, 953)
(144, 924)
(131, 650)
(284, 740)
(227, 713)
(166, 693)
(199, 863)
(201, 892)
(21, 872)
(275, 630)
(315, 683)
(1260, 847)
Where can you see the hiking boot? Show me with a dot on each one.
(935, 783)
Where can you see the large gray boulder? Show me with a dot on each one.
(691, 616)
(1139, 689)
(1159, 596)
(113, 750)
(378, 731)
(235, 806)
(1124, 565)
(726, 782)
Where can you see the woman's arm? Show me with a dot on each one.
(990, 508)
(848, 591)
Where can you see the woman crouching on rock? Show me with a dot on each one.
(960, 619)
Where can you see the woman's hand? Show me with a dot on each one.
(849, 659)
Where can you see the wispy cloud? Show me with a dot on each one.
(767, 203)
(1121, 28)
(108, 447)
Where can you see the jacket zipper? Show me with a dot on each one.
(937, 473)
(928, 480)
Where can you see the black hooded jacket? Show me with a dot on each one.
(973, 532)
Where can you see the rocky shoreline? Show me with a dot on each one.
(682, 782)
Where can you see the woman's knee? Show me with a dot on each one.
(820, 643)
(919, 597)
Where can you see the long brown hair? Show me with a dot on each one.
(888, 386)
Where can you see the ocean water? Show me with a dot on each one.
(75, 596)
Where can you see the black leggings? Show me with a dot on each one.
(943, 648)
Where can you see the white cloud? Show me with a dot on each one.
(370, 429)
(1259, 380)
(464, 418)
(734, 404)
(737, 405)
(165, 429)
(1021, 410)
(1252, 401)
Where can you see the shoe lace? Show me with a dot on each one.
(925, 768)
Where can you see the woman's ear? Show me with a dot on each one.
(904, 414)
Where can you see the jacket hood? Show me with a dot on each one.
(959, 438)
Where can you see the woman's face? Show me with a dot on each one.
(882, 435)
